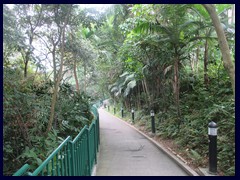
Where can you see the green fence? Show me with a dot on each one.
(72, 157)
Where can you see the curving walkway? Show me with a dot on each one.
(125, 152)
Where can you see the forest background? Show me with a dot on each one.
(59, 59)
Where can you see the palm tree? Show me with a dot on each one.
(175, 32)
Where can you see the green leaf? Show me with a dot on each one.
(201, 11)
(222, 8)
(130, 86)
(39, 161)
(124, 74)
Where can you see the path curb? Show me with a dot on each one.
(180, 163)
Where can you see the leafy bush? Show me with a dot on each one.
(26, 113)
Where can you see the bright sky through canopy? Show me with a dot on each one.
(96, 6)
(99, 7)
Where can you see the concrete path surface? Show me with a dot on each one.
(125, 152)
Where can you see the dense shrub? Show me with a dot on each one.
(26, 113)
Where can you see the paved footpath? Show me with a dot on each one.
(125, 152)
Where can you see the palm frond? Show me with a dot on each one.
(130, 86)
(167, 69)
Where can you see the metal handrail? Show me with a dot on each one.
(71, 157)
(50, 157)
(22, 170)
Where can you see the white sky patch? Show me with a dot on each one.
(10, 6)
(40, 50)
(99, 7)
(96, 6)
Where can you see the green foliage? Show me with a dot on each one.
(193, 130)
(148, 52)
(26, 113)
(130, 54)
(125, 83)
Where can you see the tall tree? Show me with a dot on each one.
(66, 9)
(29, 19)
(174, 31)
(227, 60)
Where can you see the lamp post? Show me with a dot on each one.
(122, 111)
(153, 120)
(212, 134)
(132, 116)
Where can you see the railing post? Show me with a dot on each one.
(73, 160)
(69, 159)
(98, 131)
(96, 134)
(88, 152)
(95, 141)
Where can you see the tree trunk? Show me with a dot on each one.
(85, 77)
(139, 97)
(26, 63)
(75, 74)
(27, 57)
(147, 91)
(197, 59)
(192, 64)
(59, 77)
(25, 68)
(176, 84)
(158, 87)
(54, 63)
(144, 91)
(206, 79)
(227, 61)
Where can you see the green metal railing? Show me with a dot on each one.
(72, 157)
